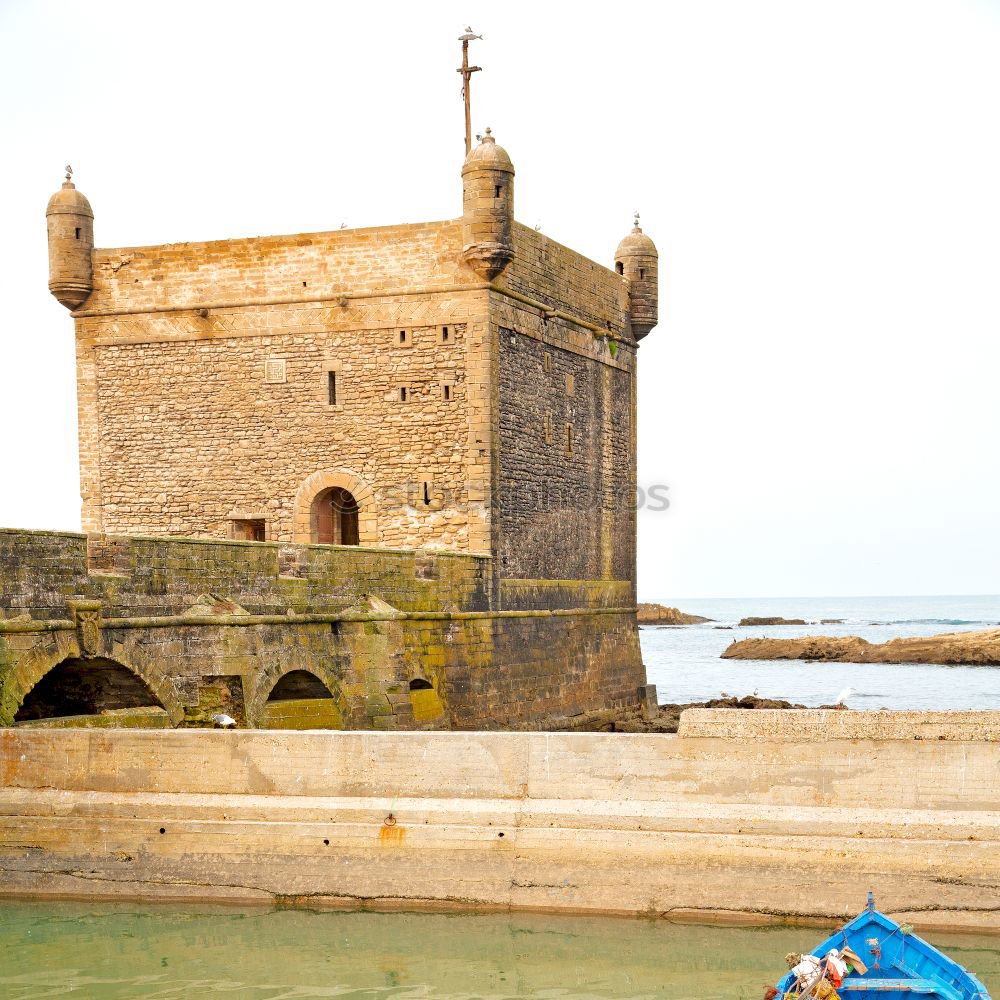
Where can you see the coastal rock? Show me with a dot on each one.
(657, 614)
(975, 648)
(668, 716)
(773, 621)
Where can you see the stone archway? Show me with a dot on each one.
(326, 481)
(54, 650)
(294, 682)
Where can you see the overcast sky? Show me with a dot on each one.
(822, 180)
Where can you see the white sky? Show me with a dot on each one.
(822, 180)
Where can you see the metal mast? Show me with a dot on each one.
(466, 70)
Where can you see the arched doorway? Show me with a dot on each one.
(333, 517)
(94, 691)
(300, 700)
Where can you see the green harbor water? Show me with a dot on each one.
(99, 950)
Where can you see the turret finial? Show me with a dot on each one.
(636, 214)
(69, 173)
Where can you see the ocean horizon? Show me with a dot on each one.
(685, 661)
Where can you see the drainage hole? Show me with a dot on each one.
(163, 829)
(327, 843)
(499, 834)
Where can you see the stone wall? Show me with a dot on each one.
(212, 439)
(395, 639)
(565, 495)
(741, 824)
(191, 275)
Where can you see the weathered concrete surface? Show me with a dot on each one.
(977, 648)
(735, 823)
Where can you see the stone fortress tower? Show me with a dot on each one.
(464, 385)
(431, 419)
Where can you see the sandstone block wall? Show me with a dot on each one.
(728, 826)
(204, 385)
(566, 496)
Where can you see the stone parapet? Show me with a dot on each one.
(823, 725)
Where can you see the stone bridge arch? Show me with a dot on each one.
(327, 479)
(56, 648)
(267, 680)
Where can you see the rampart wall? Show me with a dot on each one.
(398, 638)
(741, 816)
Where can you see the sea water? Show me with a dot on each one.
(684, 661)
(102, 951)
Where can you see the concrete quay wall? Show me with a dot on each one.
(741, 816)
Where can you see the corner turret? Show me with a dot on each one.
(637, 260)
(487, 209)
(70, 222)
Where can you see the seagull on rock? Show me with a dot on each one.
(223, 721)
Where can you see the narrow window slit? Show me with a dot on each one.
(331, 388)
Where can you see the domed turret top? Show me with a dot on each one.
(68, 201)
(637, 242)
(488, 156)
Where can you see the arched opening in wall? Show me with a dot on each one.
(300, 700)
(428, 709)
(333, 517)
(92, 692)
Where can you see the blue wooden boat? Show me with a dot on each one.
(900, 965)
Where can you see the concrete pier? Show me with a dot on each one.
(746, 816)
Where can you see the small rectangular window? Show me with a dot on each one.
(331, 388)
(496, 191)
(77, 232)
(570, 383)
(402, 336)
(445, 335)
(447, 392)
(547, 427)
(569, 439)
(249, 530)
(403, 393)
(427, 492)
(547, 363)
